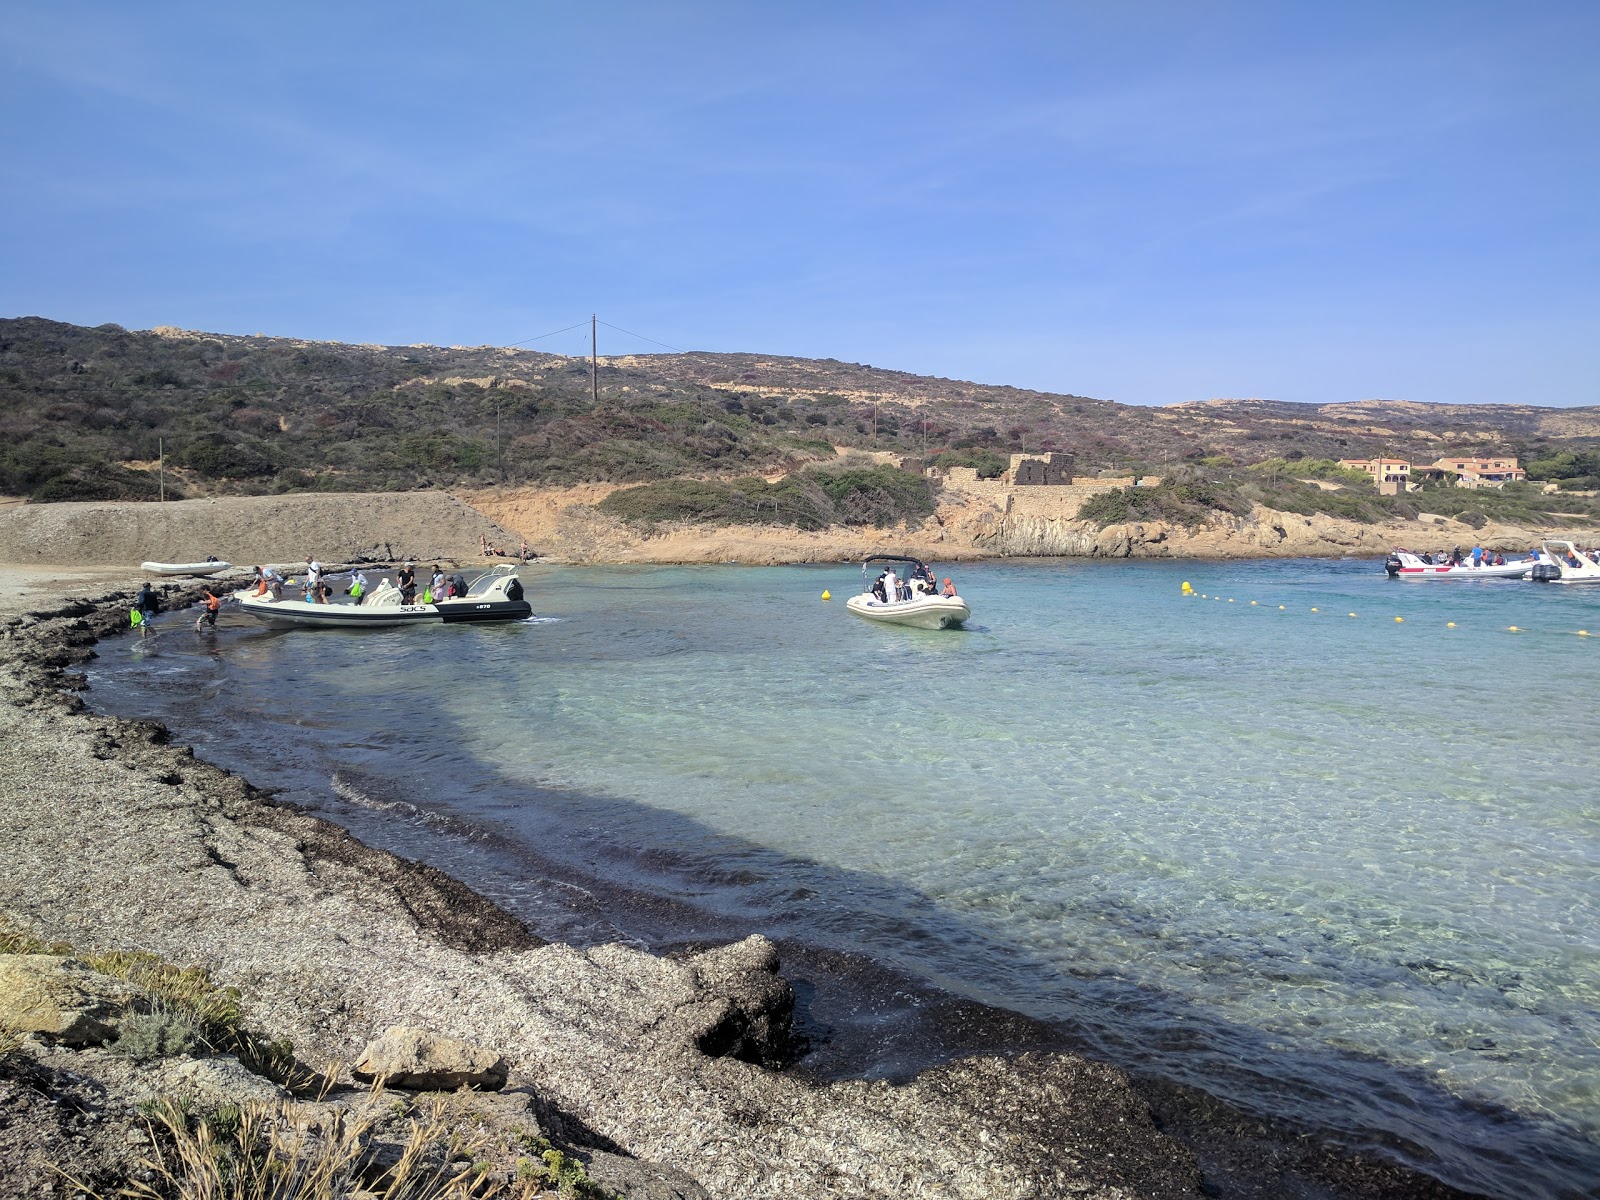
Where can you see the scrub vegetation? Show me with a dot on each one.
(1193, 495)
(104, 413)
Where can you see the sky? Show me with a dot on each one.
(1147, 202)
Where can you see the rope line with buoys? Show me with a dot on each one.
(1188, 591)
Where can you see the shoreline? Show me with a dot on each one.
(343, 936)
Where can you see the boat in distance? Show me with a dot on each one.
(210, 566)
(496, 596)
(1403, 564)
(915, 602)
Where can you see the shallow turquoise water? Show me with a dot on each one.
(1320, 863)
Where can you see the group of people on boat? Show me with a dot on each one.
(1479, 557)
(889, 588)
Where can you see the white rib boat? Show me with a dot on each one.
(922, 611)
(211, 566)
(1565, 563)
(496, 596)
(1403, 564)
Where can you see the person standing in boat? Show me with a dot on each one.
(435, 586)
(406, 577)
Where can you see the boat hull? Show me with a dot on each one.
(355, 616)
(197, 569)
(933, 612)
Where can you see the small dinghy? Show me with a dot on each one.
(211, 566)
(496, 596)
(914, 603)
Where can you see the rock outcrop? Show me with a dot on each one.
(62, 999)
(415, 1058)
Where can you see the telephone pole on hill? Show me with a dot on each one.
(594, 362)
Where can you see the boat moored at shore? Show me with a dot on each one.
(496, 596)
(211, 566)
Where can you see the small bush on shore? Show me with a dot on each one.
(183, 994)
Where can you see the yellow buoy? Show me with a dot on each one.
(826, 594)
(1252, 604)
(1583, 633)
(1449, 624)
(1188, 588)
(1282, 607)
(1512, 629)
(1230, 599)
(1399, 620)
(1352, 614)
(1313, 610)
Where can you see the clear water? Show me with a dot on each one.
(1341, 868)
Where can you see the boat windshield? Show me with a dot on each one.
(482, 583)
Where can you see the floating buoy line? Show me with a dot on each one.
(1188, 591)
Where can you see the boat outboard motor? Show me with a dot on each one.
(514, 589)
(458, 586)
(1392, 565)
(1544, 572)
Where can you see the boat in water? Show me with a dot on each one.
(496, 596)
(1563, 562)
(210, 566)
(914, 602)
(1402, 564)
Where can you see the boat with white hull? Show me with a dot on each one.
(923, 610)
(1565, 563)
(211, 566)
(494, 597)
(1403, 564)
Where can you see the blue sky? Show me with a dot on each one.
(1145, 202)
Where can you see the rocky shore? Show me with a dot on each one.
(664, 1076)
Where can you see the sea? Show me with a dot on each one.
(1321, 843)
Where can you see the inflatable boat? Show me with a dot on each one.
(914, 603)
(1403, 564)
(211, 566)
(493, 597)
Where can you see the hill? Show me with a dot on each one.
(85, 413)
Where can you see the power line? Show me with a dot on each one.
(542, 336)
(642, 338)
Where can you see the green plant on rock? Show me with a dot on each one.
(162, 1033)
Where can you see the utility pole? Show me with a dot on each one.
(161, 459)
(594, 361)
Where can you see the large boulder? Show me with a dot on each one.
(415, 1058)
(62, 999)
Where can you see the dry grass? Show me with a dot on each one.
(292, 1151)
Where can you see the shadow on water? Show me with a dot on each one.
(888, 980)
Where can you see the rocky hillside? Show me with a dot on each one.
(87, 413)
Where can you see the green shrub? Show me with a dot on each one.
(1179, 499)
(988, 463)
(163, 1033)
